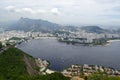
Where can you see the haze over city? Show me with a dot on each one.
(75, 12)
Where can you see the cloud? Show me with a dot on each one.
(10, 8)
(29, 10)
(55, 11)
(41, 11)
(32, 11)
(18, 10)
(24, 10)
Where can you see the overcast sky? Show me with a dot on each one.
(77, 12)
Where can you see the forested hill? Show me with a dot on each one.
(17, 65)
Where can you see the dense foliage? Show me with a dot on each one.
(12, 64)
(0, 45)
(102, 77)
(53, 76)
(13, 67)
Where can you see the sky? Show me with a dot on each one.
(75, 12)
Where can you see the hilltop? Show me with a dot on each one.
(94, 29)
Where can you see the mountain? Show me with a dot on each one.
(71, 28)
(4, 25)
(118, 30)
(27, 24)
(94, 29)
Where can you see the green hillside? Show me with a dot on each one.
(16, 65)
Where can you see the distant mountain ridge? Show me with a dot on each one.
(27, 24)
(94, 29)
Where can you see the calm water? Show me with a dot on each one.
(62, 55)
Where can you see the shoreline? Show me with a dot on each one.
(111, 41)
(108, 42)
(45, 38)
(116, 40)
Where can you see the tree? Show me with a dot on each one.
(0, 45)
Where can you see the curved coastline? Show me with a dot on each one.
(70, 45)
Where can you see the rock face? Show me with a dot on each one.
(31, 65)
